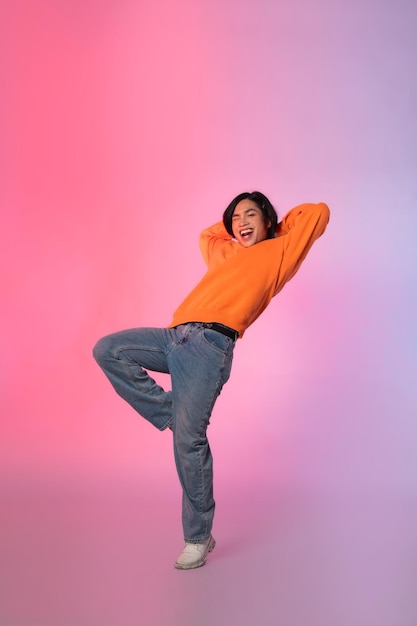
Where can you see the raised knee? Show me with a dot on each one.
(101, 350)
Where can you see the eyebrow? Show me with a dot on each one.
(238, 213)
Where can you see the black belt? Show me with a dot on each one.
(224, 330)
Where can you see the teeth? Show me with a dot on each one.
(245, 232)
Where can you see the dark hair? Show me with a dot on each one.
(261, 202)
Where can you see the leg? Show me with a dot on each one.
(124, 357)
(199, 368)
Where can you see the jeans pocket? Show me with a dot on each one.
(216, 340)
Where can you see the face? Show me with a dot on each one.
(248, 223)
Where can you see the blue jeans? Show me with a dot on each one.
(199, 361)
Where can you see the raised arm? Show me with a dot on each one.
(298, 230)
(215, 243)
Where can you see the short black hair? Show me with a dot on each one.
(261, 202)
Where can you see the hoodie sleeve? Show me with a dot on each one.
(216, 244)
(298, 230)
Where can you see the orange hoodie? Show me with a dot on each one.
(240, 282)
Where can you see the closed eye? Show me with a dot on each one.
(237, 216)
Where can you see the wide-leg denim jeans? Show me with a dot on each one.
(199, 360)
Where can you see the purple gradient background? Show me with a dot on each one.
(126, 127)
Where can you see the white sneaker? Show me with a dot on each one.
(195, 554)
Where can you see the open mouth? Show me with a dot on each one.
(246, 233)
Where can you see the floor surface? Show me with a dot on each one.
(103, 556)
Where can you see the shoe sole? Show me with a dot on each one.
(201, 562)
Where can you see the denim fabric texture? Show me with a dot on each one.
(199, 360)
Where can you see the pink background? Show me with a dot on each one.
(126, 128)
